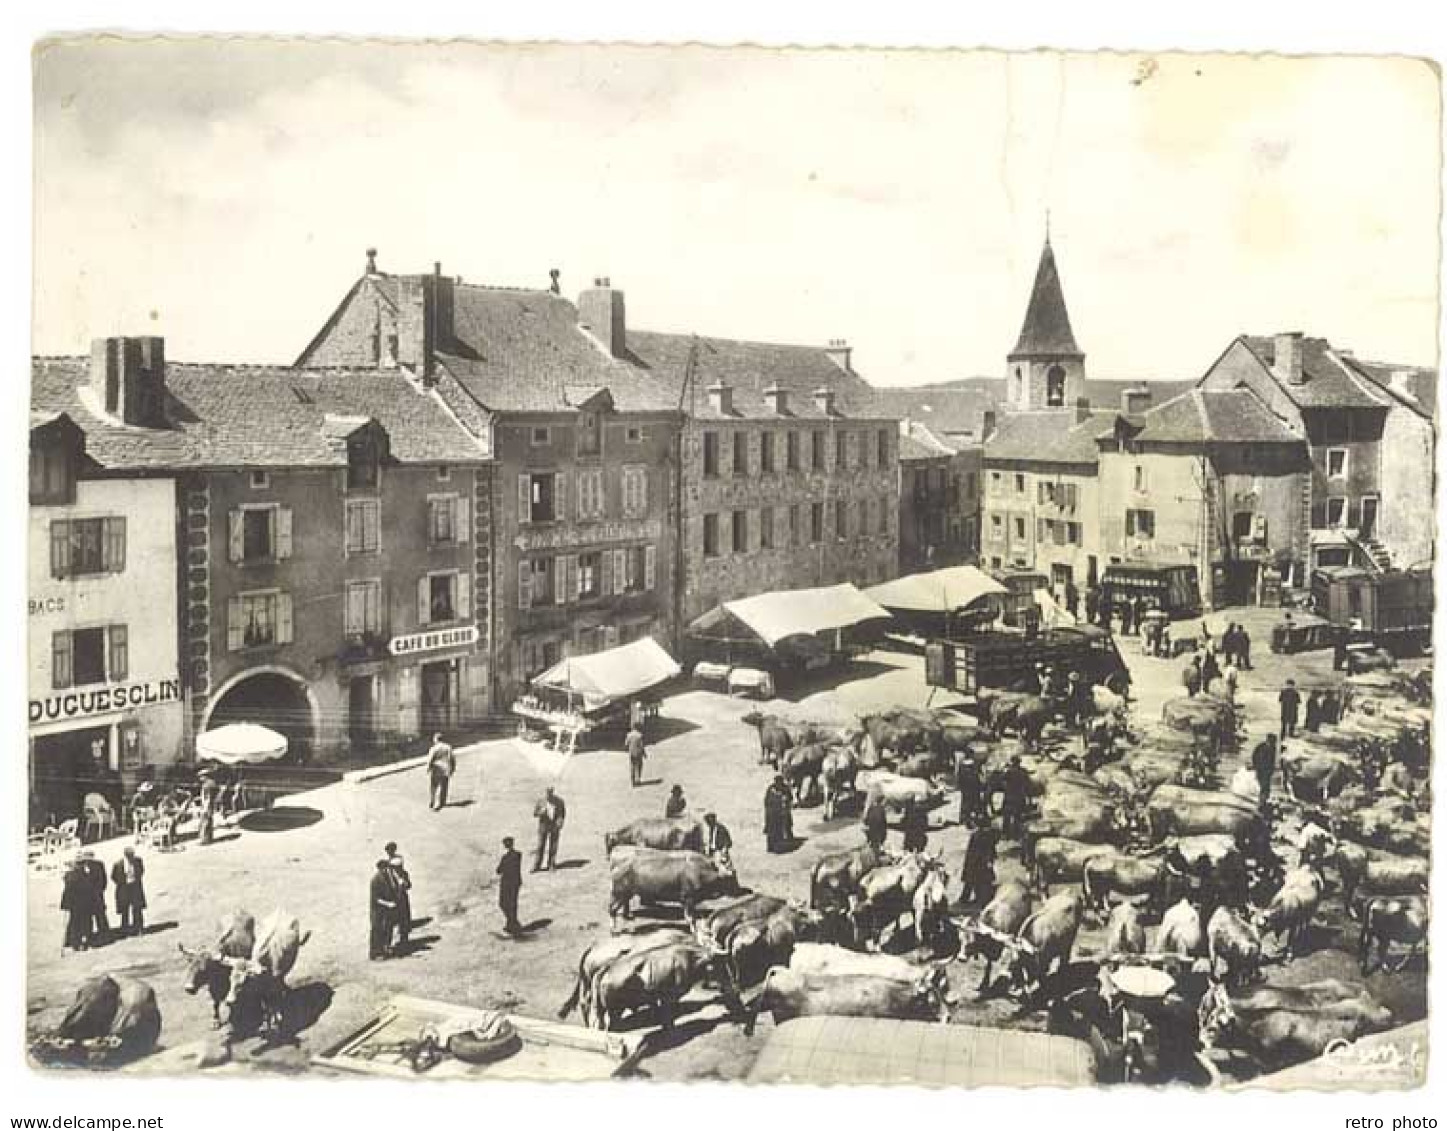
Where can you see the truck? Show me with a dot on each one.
(1174, 589)
(1391, 609)
(1010, 660)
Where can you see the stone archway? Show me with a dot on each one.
(275, 697)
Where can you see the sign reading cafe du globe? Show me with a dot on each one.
(431, 641)
(78, 704)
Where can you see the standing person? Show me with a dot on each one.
(876, 822)
(677, 804)
(971, 787)
(441, 765)
(1263, 764)
(1092, 605)
(636, 717)
(916, 828)
(128, 879)
(1339, 651)
(978, 873)
(1230, 678)
(95, 878)
(717, 842)
(637, 755)
(75, 902)
(1210, 670)
(1072, 599)
(382, 908)
(1016, 789)
(404, 892)
(1243, 646)
(1163, 644)
(550, 813)
(1191, 676)
(509, 884)
(778, 815)
(1290, 700)
(1313, 711)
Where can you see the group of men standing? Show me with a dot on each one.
(83, 899)
(391, 903)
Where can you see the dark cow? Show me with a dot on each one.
(716, 928)
(263, 974)
(653, 876)
(209, 968)
(1059, 859)
(762, 943)
(775, 740)
(1280, 1037)
(602, 954)
(1119, 873)
(1025, 714)
(1372, 874)
(1387, 920)
(836, 878)
(802, 766)
(786, 995)
(898, 733)
(113, 1019)
(656, 979)
(994, 932)
(663, 833)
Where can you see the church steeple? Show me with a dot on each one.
(1046, 332)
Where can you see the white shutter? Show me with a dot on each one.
(642, 505)
(424, 613)
(605, 567)
(234, 630)
(464, 596)
(560, 496)
(461, 517)
(352, 610)
(650, 564)
(560, 579)
(283, 618)
(282, 519)
(620, 571)
(525, 584)
(525, 498)
(572, 570)
(236, 535)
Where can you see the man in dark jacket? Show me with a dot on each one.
(1290, 700)
(1263, 764)
(876, 822)
(550, 813)
(778, 815)
(75, 902)
(978, 873)
(404, 892)
(128, 878)
(1016, 789)
(718, 843)
(916, 828)
(509, 884)
(971, 786)
(95, 876)
(382, 906)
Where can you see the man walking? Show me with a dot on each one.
(382, 907)
(717, 842)
(550, 813)
(509, 884)
(441, 765)
(127, 876)
(1290, 700)
(75, 902)
(637, 755)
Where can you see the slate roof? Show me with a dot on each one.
(1331, 381)
(258, 416)
(1047, 436)
(1046, 331)
(944, 410)
(1232, 416)
(1413, 385)
(919, 444)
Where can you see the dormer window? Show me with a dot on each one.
(362, 466)
(590, 434)
(52, 475)
(1055, 387)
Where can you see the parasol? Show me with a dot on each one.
(238, 743)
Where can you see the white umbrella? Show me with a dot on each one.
(240, 743)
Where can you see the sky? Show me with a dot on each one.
(222, 193)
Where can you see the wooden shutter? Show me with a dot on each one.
(640, 506)
(235, 630)
(461, 516)
(560, 579)
(60, 659)
(462, 604)
(283, 618)
(525, 584)
(236, 535)
(560, 496)
(605, 579)
(118, 666)
(525, 498)
(424, 612)
(59, 548)
(352, 613)
(650, 565)
(281, 518)
(114, 549)
(571, 563)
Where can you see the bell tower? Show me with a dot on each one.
(1046, 369)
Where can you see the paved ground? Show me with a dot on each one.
(313, 856)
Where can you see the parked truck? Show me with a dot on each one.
(1392, 610)
(1005, 660)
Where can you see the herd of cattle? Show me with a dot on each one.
(1132, 830)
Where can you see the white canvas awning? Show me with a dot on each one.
(776, 616)
(240, 743)
(615, 674)
(942, 590)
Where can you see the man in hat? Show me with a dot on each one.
(509, 884)
(778, 815)
(95, 877)
(637, 755)
(1263, 764)
(916, 828)
(382, 909)
(676, 804)
(978, 873)
(971, 787)
(1290, 700)
(128, 880)
(550, 813)
(75, 899)
(441, 765)
(717, 843)
(404, 892)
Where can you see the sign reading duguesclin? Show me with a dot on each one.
(99, 700)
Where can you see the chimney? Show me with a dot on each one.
(839, 352)
(424, 319)
(824, 400)
(777, 398)
(987, 425)
(1135, 400)
(1082, 410)
(372, 261)
(555, 285)
(721, 398)
(128, 376)
(600, 312)
(1287, 362)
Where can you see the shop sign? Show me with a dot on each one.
(99, 701)
(413, 643)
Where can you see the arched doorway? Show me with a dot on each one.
(274, 698)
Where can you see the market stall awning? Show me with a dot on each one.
(240, 743)
(615, 674)
(942, 590)
(776, 616)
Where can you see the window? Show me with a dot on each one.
(444, 473)
(446, 520)
(816, 438)
(362, 465)
(539, 497)
(1020, 528)
(85, 546)
(710, 535)
(1336, 463)
(363, 526)
(260, 534)
(842, 441)
(441, 590)
(1336, 512)
(997, 483)
(884, 447)
(766, 453)
(634, 434)
(740, 532)
(1139, 478)
(997, 527)
(590, 575)
(590, 434)
(1019, 385)
(634, 568)
(540, 435)
(816, 522)
(256, 534)
(88, 656)
(1055, 387)
(841, 518)
(259, 480)
(52, 475)
(1140, 524)
(1019, 484)
(84, 656)
(1241, 525)
(710, 454)
(766, 528)
(741, 452)
(364, 608)
(258, 620)
(791, 451)
(590, 494)
(535, 582)
(635, 492)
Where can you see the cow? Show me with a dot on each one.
(1311, 776)
(774, 738)
(803, 765)
(657, 979)
(1233, 943)
(114, 1019)
(208, 968)
(758, 944)
(1124, 934)
(821, 960)
(1181, 931)
(931, 906)
(926, 766)
(663, 833)
(600, 955)
(897, 792)
(1389, 919)
(1174, 810)
(1376, 874)
(836, 878)
(1047, 939)
(716, 928)
(1024, 713)
(786, 995)
(836, 778)
(887, 893)
(654, 876)
(1276, 1037)
(263, 974)
(1119, 873)
(1291, 909)
(994, 931)
(899, 732)
(1059, 859)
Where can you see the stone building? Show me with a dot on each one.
(939, 497)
